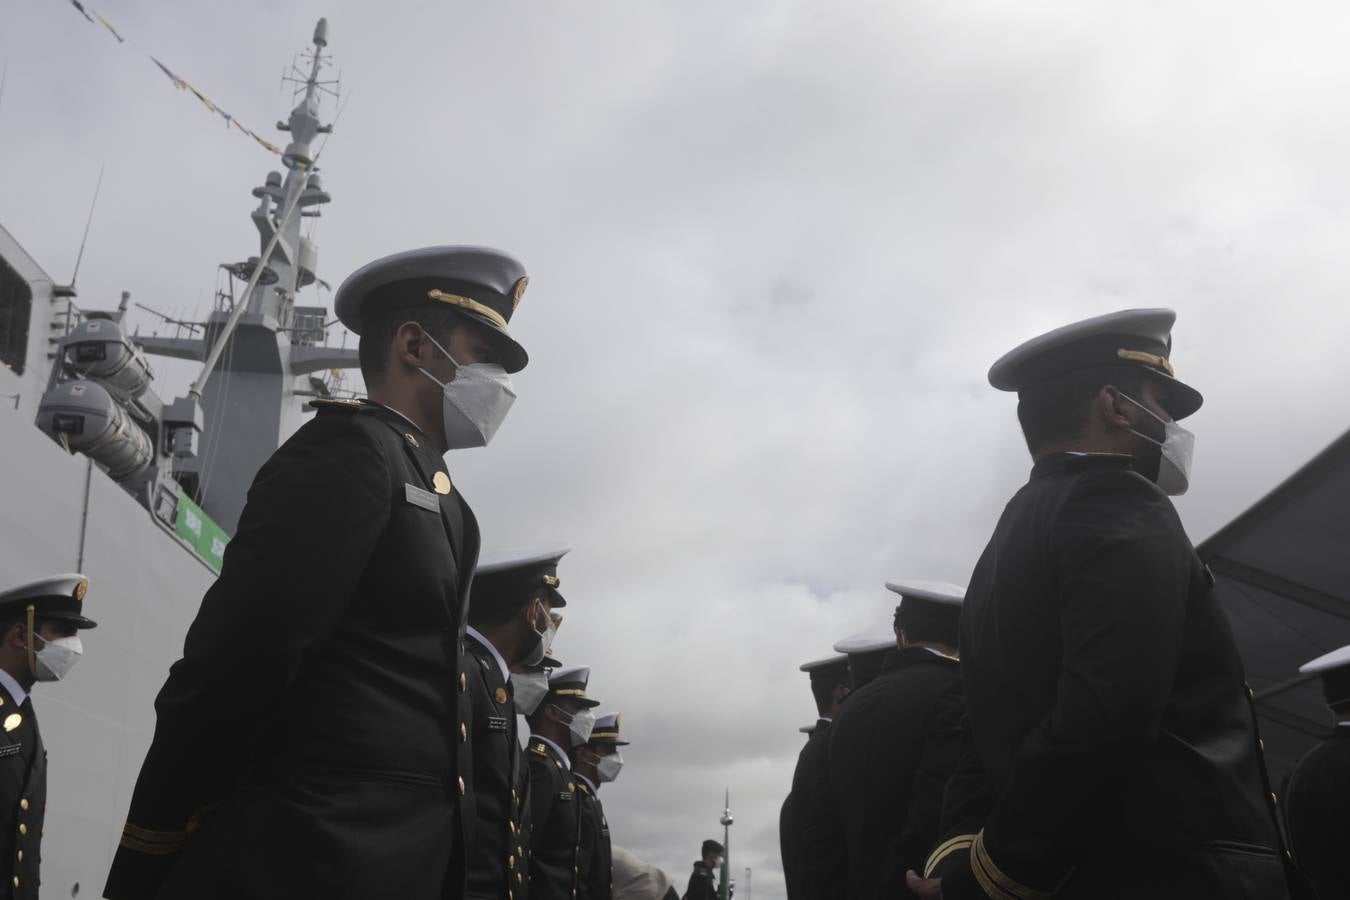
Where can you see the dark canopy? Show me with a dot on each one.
(1283, 577)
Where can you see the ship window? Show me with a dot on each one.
(16, 305)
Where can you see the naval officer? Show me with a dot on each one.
(563, 721)
(597, 762)
(895, 744)
(1103, 686)
(40, 623)
(510, 627)
(809, 798)
(311, 740)
(821, 868)
(1316, 812)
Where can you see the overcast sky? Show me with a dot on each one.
(773, 247)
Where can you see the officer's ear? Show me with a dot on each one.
(411, 347)
(16, 635)
(1110, 405)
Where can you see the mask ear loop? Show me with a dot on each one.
(32, 655)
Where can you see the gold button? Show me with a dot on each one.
(23, 804)
(463, 732)
(512, 826)
(16, 880)
(510, 860)
(510, 894)
(520, 878)
(1273, 798)
(23, 829)
(463, 682)
(20, 856)
(461, 785)
(514, 795)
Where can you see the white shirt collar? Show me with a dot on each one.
(18, 693)
(827, 718)
(478, 636)
(589, 783)
(567, 760)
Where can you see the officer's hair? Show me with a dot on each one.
(930, 626)
(1055, 411)
(823, 690)
(378, 330)
(490, 615)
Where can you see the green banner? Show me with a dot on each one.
(206, 538)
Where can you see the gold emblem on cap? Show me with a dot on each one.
(552, 580)
(441, 482)
(519, 291)
(81, 588)
(12, 721)
(1148, 359)
(500, 694)
(407, 435)
(471, 305)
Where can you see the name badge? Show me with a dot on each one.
(420, 497)
(565, 795)
(11, 750)
(496, 723)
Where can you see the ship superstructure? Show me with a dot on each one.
(104, 476)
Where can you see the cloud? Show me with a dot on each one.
(773, 248)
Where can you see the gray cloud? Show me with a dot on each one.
(774, 247)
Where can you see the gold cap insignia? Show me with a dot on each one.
(441, 482)
(500, 694)
(12, 721)
(410, 439)
(552, 580)
(519, 291)
(81, 588)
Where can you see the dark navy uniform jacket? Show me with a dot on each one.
(893, 746)
(555, 824)
(806, 802)
(498, 860)
(312, 740)
(23, 798)
(595, 852)
(1316, 801)
(1107, 704)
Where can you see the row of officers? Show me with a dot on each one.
(343, 720)
(1075, 723)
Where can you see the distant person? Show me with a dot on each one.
(1316, 795)
(1104, 691)
(333, 635)
(597, 762)
(562, 722)
(510, 629)
(703, 880)
(40, 623)
(895, 744)
(809, 799)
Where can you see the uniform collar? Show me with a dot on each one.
(1077, 460)
(566, 760)
(385, 406)
(590, 784)
(480, 638)
(12, 685)
(908, 656)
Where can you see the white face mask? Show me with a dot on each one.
(1176, 450)
(57, 657)
(529, 689)
(607, 768)
(474, 402)
(581, 726)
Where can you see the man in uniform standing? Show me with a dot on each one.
(809, 798)
(510, 627)
(40, 624)
(702, 881)
(597, 762)
(1314, 797)
(563, 720)
(1104, 690)
(895, 744)
(311, 740)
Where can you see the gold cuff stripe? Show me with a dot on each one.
(994, 881)
(154, 843)
(1148, 359)
(946, 849)
(149, 849)
(471, 305)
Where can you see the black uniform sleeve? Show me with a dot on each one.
(1124, 566)
(942, 748)
(821, 863)
(312, 519)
